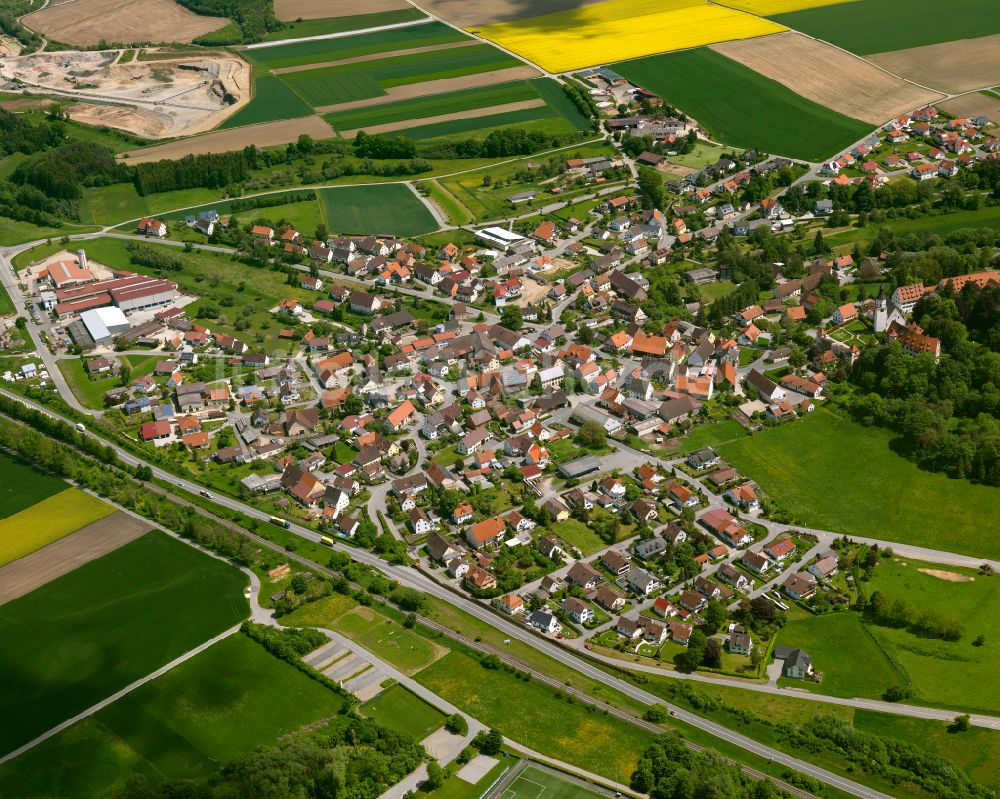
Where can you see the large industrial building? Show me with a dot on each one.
(98, 327)
(127, 291)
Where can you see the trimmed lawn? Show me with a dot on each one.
(877, 26)
(950, 673)
(228, 700)
(740, 107)
(272, 100)
(532, 714)
(388, 208)
(89, 392)
(401, 710)
(839, 645)
(385, 639)
(835, 474)
(47, 521)
(93, 631)
(532, 781)
(24, 485)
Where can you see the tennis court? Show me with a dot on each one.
(534, 783)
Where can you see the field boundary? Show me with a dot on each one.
(340, 34)
(472, 113)
(360, 59)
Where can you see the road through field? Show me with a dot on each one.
(341, 34)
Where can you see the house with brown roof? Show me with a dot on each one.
(488, 532)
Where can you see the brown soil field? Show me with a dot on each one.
(973, 105)
(27, 104)
(373, 57)
(828, 76)
(437, 87)
(469, 13)
(952, 67)
(266, 134)
(291, 10)
(472, 113)
(63, 556)
(89, 22)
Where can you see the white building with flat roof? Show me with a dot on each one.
(103, 324)
(499, 237)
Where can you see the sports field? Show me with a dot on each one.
(403, 711)
(737, 106)
(388, 640)
(83, 636)
(877, 26)
(272, 100)
(534, 783)
(388, 208)
(568, 40)
(47, 521)
(832, 473)
(227, 700)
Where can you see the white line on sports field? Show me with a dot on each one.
(115, 697)
(342, 34)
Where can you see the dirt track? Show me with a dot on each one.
(63, 556)
(472, 113)
(373, 57)
(89, 22)
(828, 76)
(972, 105)
(291, 10)
(437, 87)
(951, 67)
(266, 134)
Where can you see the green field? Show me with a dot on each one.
(533, 782)
(387, 208)
(88, 392)
(577, 534)
(272, 99)
(387, 640)
(93, 631)
(742, 108)
(109, 205)
(938, 225)
(557, 100)
(321, 50)
(950, 673)
(24, 485)
(540, 118)
(229, 699)
(976, 750)
(876, 26)
(433, 105)
(711, 434)
(349, 82)
(403, 711)
(834, 474)
(317, 27)
(13, 231)
(530, 713)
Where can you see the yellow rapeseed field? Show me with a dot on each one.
(617, 30)
(767, 8)
(47, 521)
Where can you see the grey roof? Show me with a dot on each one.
(580, 466)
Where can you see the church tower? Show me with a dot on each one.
(881, 320)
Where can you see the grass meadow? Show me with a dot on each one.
(388, 640)
(938, 225)
(877, 26)
(949, 673)
(403, 711)
(832, 473)
(228, 700)
(742, 108)
(272, 99)
(316, 27)
(85, 635)
(24, 485)
(88, 391)
(386, 208)
(48, 520)
(540, 117)
(531, 713)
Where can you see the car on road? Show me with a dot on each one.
(205, 494)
